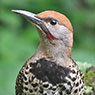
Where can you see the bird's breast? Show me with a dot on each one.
(47, 78)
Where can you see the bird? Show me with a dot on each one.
(51, 69)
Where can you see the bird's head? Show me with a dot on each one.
(55, 30)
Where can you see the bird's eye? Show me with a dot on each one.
(53, 21)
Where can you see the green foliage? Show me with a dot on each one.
(89, 79)
(19, 40)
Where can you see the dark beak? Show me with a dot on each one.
(35, 19)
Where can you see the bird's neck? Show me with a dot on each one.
(57, 54)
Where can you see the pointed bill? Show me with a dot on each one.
(36, 20)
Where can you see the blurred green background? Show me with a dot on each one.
(19, 39)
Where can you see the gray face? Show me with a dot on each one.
(62, 35)
(60, 32)
(56, 29)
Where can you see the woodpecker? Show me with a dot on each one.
(51, 70)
